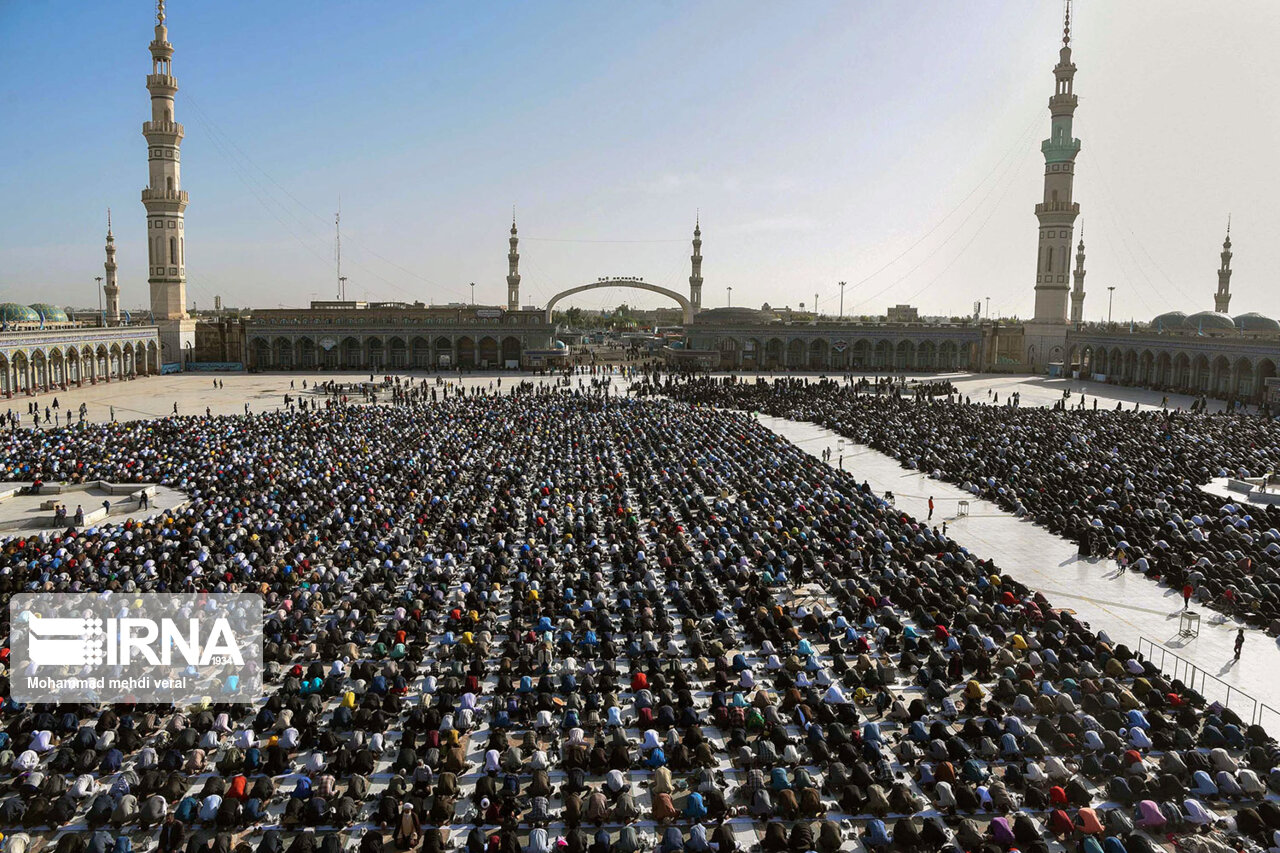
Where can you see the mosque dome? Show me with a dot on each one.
(731, 316)
(1210, 321)
(1170, 321)
(13, 312)
(1255, 322)
(50, 313)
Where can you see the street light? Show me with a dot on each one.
(101, 317)
(842, 284)
(988, 307)
(730, 291)
(342, 288)
(473, 293)
(1110, 293)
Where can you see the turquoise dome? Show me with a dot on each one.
(1210, 321)
(1255, 322)
(50, 313)
(12, 312)
(1172, 321)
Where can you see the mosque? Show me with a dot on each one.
(43, 348)
(1209, 352)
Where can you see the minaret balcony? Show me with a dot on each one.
(162, 82)
(1072, 207)
(179, 196)
(170, 129)
(1060, 151)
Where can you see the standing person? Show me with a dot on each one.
(930, 518)
(170, 835)
(1187, 592)
(1239, 642)
(408, 828)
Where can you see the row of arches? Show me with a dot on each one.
(864, 353)
(42, 369)
(379, 352)
(1240, 378)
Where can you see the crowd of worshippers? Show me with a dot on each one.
(576, 622)
(1120, 484)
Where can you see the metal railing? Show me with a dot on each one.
(1212, 688)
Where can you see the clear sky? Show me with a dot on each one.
(891, 145)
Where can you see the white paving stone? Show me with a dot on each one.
(1126, 606)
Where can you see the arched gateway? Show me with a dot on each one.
(635, 283)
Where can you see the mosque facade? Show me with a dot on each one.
(348, 335)
(1207, 352)
(44, 348)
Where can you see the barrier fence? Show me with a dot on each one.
(1212, 688)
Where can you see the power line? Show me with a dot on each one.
(1106, 187)
(1008, 186)
(1008, 171)
(996, 167)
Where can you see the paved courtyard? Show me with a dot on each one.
(155, 396)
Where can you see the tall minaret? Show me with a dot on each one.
(1222, 298)
(1077, 293)
(513, 268)
(164, 198)
(695, 279)
(111, 289)
(1057, 212)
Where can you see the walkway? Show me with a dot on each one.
(30, 515)
(1125, 606)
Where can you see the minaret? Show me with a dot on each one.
(1222, 298)
(695, 280)
(164, 198)
(513, 268)
(1077, 293)
(1057, 212)
(110, 288)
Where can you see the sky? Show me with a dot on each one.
(890, 145)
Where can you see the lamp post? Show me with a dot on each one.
(102, 318)
(988, 307)
(729, 290)
(842, 284)
(473, 294)
(342, 288)
(1110, 293)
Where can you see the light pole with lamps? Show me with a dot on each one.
(988, 307)
(1110, 293)
(473, 294)
(342, 286)
(102, 319)
(729, 290)
(842, 284)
